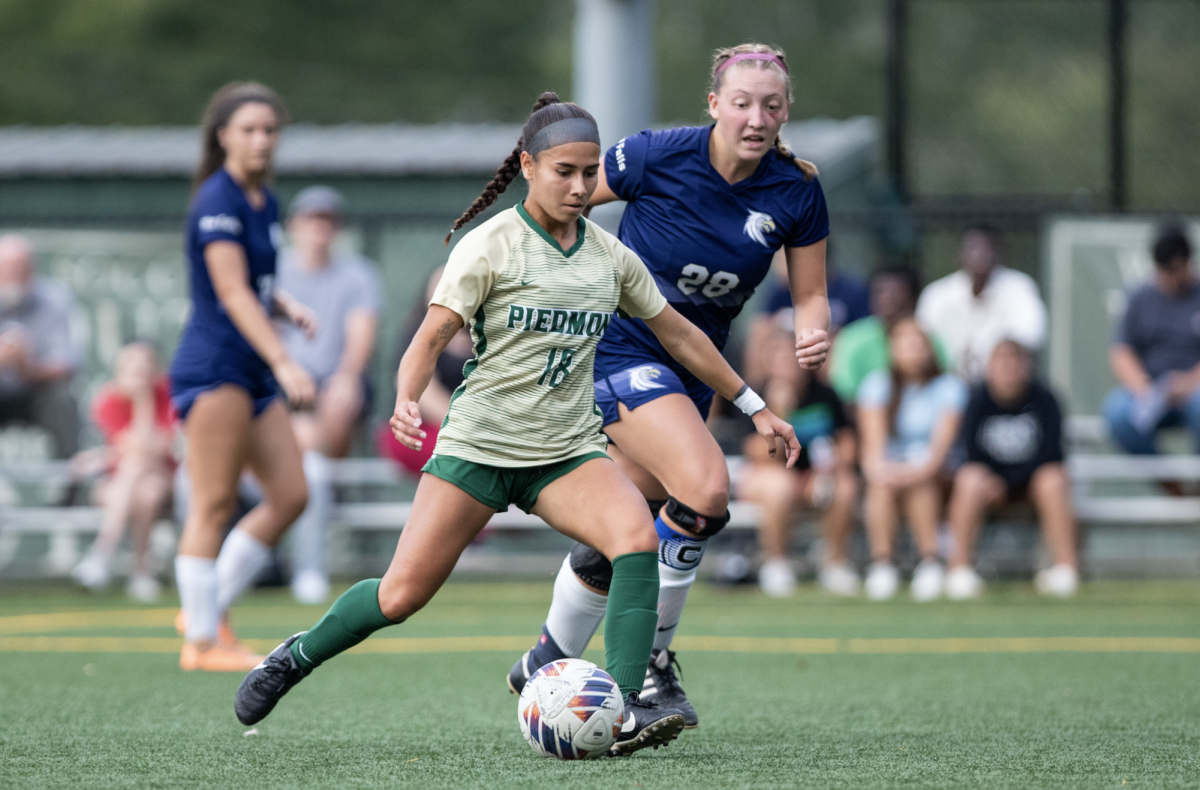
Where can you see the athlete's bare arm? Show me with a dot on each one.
(806, 278)
(416, 369)
(696, 352)
(227, 268)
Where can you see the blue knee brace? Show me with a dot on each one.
(681, 552)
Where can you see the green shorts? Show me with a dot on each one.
(500, 486)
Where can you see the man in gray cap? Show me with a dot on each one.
(344, 291)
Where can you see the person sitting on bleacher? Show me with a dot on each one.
(134, 413)
(1013, 431)
(1156, 356)
(908, 418)
(824, 476)
(344, 291)
(981, 304)
(37, 354)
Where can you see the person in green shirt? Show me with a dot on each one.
(862, 347)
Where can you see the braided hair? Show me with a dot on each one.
(722, 55)
(547, 109)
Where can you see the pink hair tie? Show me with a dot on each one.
(767, 56)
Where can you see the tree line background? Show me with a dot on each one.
(1007, 97)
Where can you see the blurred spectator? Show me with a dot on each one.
(344, 292)
(134, 413)
(1156, 355)
(37, 355)
(862, 347)
(1013, 433)
(823, 478)
(435, 402)
(848, 302)
(981, 304)
(908, 418)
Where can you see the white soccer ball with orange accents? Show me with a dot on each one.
(570, 710)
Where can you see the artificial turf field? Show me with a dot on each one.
(1010, 691)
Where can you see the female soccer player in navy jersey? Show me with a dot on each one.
(707, 209)
(228, 370)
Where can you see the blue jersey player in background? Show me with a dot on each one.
(227, 371)
(707, 208)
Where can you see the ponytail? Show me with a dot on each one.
(806, 167)
(546, 110)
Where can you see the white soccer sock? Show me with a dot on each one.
(196, 578)
(308, 533)
(673, 586)
(575, 612)
(242, 557)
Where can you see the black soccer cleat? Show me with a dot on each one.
(544, 652)
(646, 723)
(662, 686)
(267, 683)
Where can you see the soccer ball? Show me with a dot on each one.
(570, 709)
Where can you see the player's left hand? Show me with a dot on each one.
(774, 429)
(812, 347)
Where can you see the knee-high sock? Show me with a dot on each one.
(242, 557)
(629, 629)
(196, 578)
(308, 533)
(353, 617)
(575, 612)
(673, 586)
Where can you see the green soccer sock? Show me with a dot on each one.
(631, 618)
(352, 618)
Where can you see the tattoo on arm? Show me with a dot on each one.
(446, 329)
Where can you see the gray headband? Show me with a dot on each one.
(568, 130)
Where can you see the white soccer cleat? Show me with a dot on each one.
(927, 581)
(143, 587)
(310, 587)
(963, 583)
(840, 578)
(93, 571)
(883, 580)
(1061, 581)
(776, 578)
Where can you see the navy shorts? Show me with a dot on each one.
(262, 390)
(635, 382)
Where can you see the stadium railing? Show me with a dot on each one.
(68, 527)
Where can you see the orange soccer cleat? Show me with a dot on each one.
(216, 658)
(225, 635)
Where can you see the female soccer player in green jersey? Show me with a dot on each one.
(538, 285)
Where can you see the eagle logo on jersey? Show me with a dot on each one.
(758, 225)
(642, 379)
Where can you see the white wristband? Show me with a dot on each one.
(748, 401)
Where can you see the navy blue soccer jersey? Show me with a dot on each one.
(211, 349)
(707, 242)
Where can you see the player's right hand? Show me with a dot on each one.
(774, 429)
(406, 424)
(297, 385)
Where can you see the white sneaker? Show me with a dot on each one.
(883, 580)
(93, 571)
(776, 578)
(840, 578)
(1061, 581)
(144, 588)
(927, 581)
(963, 583)
(310, 587)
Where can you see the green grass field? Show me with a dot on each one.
(1012, 691)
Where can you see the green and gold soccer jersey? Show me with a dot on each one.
(536, 313)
